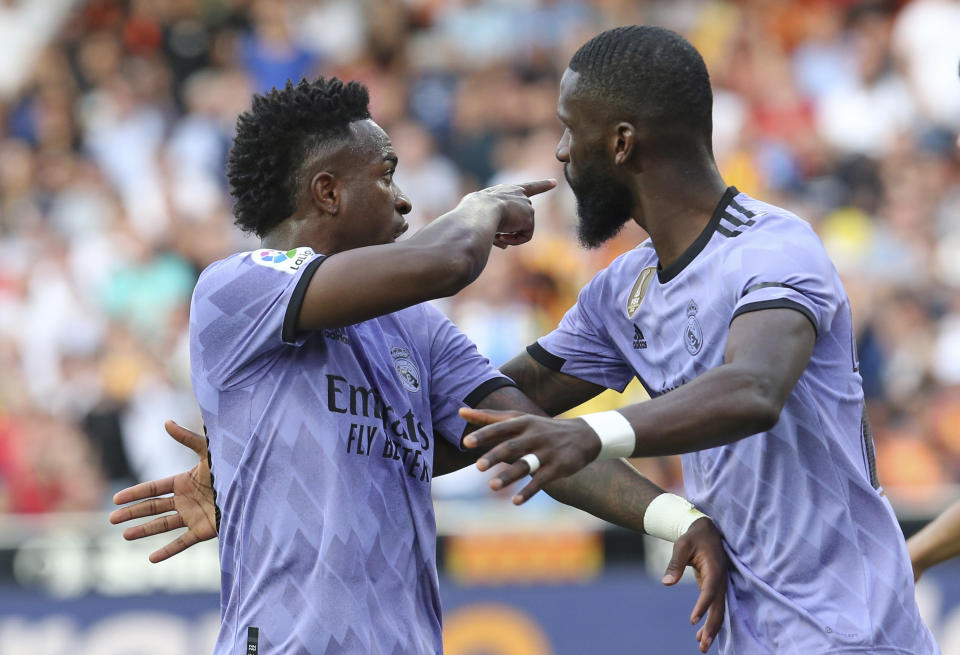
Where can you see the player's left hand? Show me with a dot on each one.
(563, 446)
(702, 548)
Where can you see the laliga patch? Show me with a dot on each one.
(288, 262)
(406, 369)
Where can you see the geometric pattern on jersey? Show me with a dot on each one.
(818, 561)
(322, 447)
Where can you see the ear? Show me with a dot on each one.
(325, 192)
(625, 142)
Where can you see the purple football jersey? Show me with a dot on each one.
(818, 561)
(322, 448)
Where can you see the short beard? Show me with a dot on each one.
(604, 205)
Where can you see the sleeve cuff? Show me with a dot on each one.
(777, 303)
(485, 389)
(288, 334)
(548, 359)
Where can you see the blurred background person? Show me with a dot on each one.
(115, 116)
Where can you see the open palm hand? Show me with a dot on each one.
(192, 502)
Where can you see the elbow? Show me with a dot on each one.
(761, 404)
(765, 414)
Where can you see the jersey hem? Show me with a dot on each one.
(288, 333)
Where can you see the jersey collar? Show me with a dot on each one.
(664, 275)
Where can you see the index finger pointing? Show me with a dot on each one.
(533, 188)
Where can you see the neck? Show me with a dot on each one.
(676, 203)
(296, 232)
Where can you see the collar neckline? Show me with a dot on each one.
(664, 275)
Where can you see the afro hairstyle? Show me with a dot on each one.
(277, 135)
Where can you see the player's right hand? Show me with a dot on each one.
(192, 502)
(702, 548)
(512, 202)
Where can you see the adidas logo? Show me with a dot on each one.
(639, 343)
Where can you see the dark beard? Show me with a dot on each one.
(604, 205)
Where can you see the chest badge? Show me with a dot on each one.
(639, 290)
(692, 333)
(406, 369)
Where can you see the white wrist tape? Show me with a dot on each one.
(617, 438)
(669, 516)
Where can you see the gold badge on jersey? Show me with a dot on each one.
(640, 290)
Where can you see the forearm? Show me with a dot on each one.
(438, 261)
(458, 244)
(938, 541)
(611, 490)
(721, 406)
(447, 458)
(553, 392)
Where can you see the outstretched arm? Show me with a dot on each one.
(544, 393)
(939, 540)
(438, 261)
(549, 390)
(766, 354)
(616, 492)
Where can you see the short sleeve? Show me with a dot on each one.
(793, 271)
(581, 346)
(245, 311)
(459, 375)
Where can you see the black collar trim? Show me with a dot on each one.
(664, 275)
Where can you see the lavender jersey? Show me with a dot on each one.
(818, 562)
(322, 447)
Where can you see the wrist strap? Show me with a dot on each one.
(669, 516)
(617, 438)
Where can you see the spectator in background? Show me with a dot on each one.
(112, 195)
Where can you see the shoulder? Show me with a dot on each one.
(219, 273)
(779, 248)
(255, 264)
(424, 323)
(773, 229)
(763, 219)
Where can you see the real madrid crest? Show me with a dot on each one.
(692, 334)
(639, 290)
(406, 368)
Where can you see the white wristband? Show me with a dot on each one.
(669, 516)
(617, 438)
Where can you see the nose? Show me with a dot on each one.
(563, 148)
(402, 203)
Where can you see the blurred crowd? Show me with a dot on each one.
(113, 138)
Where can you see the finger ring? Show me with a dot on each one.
(532, 461)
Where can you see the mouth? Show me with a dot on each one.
(403, 227)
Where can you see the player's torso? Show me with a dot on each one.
(322, 469)
(358, 395)
(668, 333)
(790, 502)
